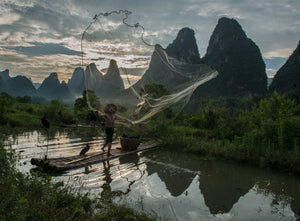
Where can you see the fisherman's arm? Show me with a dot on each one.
(123, 118)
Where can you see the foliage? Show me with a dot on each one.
(81, 107)
(154, 90)
(34, 197)
(266, 134)
(87, 96)
(6, 103)
(21, 112)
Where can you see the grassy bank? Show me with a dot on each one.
(34, 197)
(263, 132)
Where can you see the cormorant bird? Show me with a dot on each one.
(45, 122)
(84, 150)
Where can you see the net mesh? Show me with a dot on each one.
(116, 58)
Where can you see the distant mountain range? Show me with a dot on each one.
(236, 57)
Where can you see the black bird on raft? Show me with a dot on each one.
(45, 122)
(84, 150)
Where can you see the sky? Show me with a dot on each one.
(39, 37)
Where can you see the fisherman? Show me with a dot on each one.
(110, 116)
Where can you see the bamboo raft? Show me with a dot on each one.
(72, 162)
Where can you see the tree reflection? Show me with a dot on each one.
(283, 189)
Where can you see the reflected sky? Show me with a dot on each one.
(177, 186)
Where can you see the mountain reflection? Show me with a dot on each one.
(223, 184)
(176, 179)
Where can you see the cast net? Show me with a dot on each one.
(123, 68)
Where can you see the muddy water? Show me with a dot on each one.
(175, 186)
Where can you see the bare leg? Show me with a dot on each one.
(104, 145)
(109, 147)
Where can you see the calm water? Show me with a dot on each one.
(175, 186)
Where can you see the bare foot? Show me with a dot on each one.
(109, 155)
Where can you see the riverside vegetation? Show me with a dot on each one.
(263, 131)
(33, 196)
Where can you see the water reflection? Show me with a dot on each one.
(106, 189)
(176, 182)
(222, 185)
(176, 186)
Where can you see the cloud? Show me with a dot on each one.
(49, 30)
(40, 49)
(271, 72)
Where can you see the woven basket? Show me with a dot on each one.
(129, 143)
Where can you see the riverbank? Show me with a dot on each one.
(264, 133)
(34, 197)
(284, 161)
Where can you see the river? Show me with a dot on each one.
(172, 185)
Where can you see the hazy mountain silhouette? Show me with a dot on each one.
(5, 75)
(62, 92)
(20, 86)
(2, 85)
(182, 54)
(16, 86)
(237, 59)
(160, 72)
(288, 76)
(76, 83)
(49, 86)
(94, 78)
(112, 81)
(184, 47)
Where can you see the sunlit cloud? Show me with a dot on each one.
(282, 52)
(132, 79)
(8, 20)
(271, 72)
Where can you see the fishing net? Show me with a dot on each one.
(123, 68)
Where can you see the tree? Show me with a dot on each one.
(154, 90)
(6, 103)
(88, 96)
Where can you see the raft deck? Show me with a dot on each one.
(72, 162)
